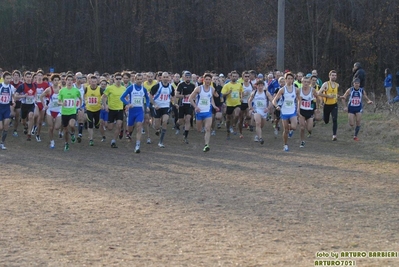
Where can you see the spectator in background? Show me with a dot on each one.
(319, 81)
(396, 99)
(388, 84)
(358, 72)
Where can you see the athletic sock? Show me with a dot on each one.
(185, 134)
(4, 136)
(80, 128)
(162, 135)
(357, 130)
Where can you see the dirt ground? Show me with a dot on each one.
(241, 204)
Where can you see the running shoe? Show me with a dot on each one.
(142, 131)
(66, 147)
(137, 149)
(219, 125)
(103, 139)
(120, 134)
(334, 138)
(185, 140)
(52, 144)
(275, 131)
(113, 145)
(302, 144)
(15, 133)
(290, 133)
(261, 141)
(206, 148)
(256, 139)
(79, 138)
(309, 134)
(203, 130)
(177, 132)
(60, 135)
(251, 128)
(38, 138)
(148, 140)
(157, 132)
(286, 148)
(355, 138)
(213, 132)
(29, 137)
(241, 136)
(3, 147)
(91, 143)
(231, 129)
(33, 131)
(73, 139)
(25, 130)
(161, 145)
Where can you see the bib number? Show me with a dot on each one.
(305, 104)
(70, 103)
(4, 99)
(234, 95)
(92, 100)
(259, 104)
(289, 103)
(185, 100)
(164, 97)
(30, 99)
(355, 101)
(137, 101)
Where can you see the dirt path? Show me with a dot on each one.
(241, 204)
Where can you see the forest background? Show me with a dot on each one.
(174, 35)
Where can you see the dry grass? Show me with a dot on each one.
(241, 204)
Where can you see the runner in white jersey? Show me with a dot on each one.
(203, 97)
(161, 95)
(6, 100)
(245, 115)
(258, 104)
(53, 109)
(288, 95)
(39, 113)
(305, 108)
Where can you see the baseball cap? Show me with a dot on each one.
(260, 75)
(221, 75)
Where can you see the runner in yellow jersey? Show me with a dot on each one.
(93, 107)
(232, 93)
(114, 106)
(329, 90)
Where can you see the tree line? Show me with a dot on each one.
(174, 35)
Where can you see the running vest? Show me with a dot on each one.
(355, 99)
(162, 97)
(204, 100)
(289, 101)
(93, 99)
(260, 102)
(306, 102)
(39, 90)
(53, 103)
(247, 90)
(137, 96)
(5, 94)
(29, 93)
(331, 91)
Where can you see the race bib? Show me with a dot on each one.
(260, 104)
(137, 101)
(164, 97)
(235, 95)
(4, 99)
(355, 102)
(92, 100)
(70, 103)
(289, 103)
(204, 102)
(305, 104)
(186, 99)
(30, 99)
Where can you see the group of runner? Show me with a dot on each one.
(126, 101)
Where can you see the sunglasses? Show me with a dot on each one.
(118, 79)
